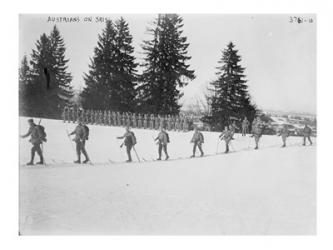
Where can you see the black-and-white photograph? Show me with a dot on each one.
(167, 124)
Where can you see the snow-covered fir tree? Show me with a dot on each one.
(230, 99)
(166, 68)
(49, 88)
(110, 82)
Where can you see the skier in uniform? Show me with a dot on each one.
(92, 116)
(95, 117)
(109, 118)
(105, 117)
(123, 119)
(74, 114)
(307, 131)
(185, 124)
(152, 119)
(197, 141)
(177, 124)
(162, 142)
(139, 120)
(257, 130)
(245, 126)
(64, 113)
(284, 133)
(118, 119)
(227, 137)
(129, 142)
(134, 122)
(157, 121)
(161, 121)
(81, 135)
(169, 127)
(145, 121)
(37, 137)
(114, 119)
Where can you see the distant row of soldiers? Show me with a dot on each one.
(113, 118)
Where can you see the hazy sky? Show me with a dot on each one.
(279, 55)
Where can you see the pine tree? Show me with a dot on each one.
(126, 67)
(110, 83)
(230, 99)
(166, 69)
(50, 82)
(24, 84)
(62, 78)
(41, 61)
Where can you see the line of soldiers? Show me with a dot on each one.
(81, 132)
(113, 118)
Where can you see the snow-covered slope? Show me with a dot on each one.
(269, 191)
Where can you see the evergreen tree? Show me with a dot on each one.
(230, 99)
(62, 78)
(166, 69)
(126, 67)
(110, 83)
(41, 62)
(24, 84)
(49, 88)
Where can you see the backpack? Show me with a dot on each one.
(41, 132)
(167, 136)
(202, 137)
(133, 138)
(86, 130)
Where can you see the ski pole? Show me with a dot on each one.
(217, 145)
(42, 148)
(137, 156)
(69, 138)
(121, 152)
(231, 145)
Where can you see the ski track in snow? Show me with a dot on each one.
(267, 191)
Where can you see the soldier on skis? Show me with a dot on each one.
(307, 131)
(139, 121)
(65, 114)
(151, 121)
(162, 142)
(169, 127)
(245, 126)
(227, 137)
(284, 133)
(129, 142)
(257, 130)
(81, 133)
(197, 140)
(145, 121)
(134, 121)
(38, 136)
(157, 122)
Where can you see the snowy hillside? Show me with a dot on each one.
(269, 191)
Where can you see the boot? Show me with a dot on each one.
(30, 163)
(167, 157)
(41, 161)
(158, 159)
(78, 162)
(202, 154)
(192, 156)
(256, 148)
(129, 161)
(86, 161)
